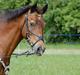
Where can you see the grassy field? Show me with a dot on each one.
(45, 65)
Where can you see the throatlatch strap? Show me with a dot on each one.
(6, 68)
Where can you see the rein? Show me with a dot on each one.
(6, 67)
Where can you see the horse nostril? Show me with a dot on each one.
(39, 48)
(40, 51)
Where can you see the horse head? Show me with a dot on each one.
(33, 29)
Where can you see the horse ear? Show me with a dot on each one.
(44, 9)
(33, 8)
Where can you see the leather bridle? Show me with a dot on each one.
(6, 67)
(40, 38)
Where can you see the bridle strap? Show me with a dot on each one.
(30, 32)
(6, 68)
(40, 38)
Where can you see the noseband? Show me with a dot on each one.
(40, 38)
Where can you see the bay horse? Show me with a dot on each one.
(25, 22)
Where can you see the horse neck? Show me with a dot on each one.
(17, 37)
(12, 36)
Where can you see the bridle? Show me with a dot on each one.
(6, 67)
(40, 38)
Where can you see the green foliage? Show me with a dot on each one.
(11, 4)
(62, 17)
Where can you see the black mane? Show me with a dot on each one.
(13, 13)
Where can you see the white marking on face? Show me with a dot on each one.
(32, 21)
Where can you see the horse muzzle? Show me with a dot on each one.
(38, 50)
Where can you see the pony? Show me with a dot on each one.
(25, 22)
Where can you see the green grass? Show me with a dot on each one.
(45, 65)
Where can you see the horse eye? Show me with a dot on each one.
(32, 24)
